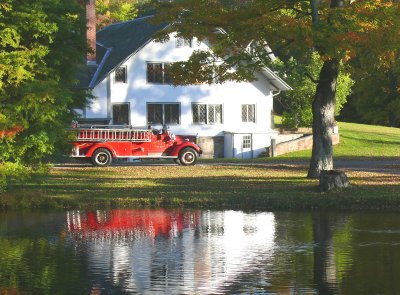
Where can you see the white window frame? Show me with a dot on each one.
(246, 142)
(207, 115)
(246, 120)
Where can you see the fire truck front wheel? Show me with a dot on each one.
(188, 156)
(101, 157)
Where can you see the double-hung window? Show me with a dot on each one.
(163, 113)
(207, 113)
(158, 73)
(248, 113)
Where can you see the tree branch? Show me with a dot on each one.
(312, 78)
(284, 104)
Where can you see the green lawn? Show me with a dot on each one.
(255, 184)
(359, 141)
(265, 186)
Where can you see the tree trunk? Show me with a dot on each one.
(323, 109)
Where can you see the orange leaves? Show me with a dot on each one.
(9, 133)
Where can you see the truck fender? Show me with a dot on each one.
(179, 147)
(101, 145)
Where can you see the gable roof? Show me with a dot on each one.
(117, 42)
(276, 82)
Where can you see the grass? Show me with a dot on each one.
(261, 185)
(360, 142)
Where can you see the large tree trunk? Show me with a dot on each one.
(323, 119)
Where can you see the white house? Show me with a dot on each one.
(131, 86)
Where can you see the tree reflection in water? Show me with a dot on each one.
(324, 259)
(203, 252)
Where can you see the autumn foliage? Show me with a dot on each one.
(340, 31)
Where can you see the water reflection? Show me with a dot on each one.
(173, 252)
(199, 252)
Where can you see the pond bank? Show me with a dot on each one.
(246, 186)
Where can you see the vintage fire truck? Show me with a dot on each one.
(102, 143)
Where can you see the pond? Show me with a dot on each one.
(199, 252)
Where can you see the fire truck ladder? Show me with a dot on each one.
(112, 134)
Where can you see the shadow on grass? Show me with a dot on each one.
(221, 185)
(253, 187)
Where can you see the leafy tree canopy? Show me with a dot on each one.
(41, 44)
(368, 27)
(110, 11)
(239, 30)
(297, 104)
(376, 96)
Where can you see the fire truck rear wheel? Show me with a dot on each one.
(101, 157)
(188, 156)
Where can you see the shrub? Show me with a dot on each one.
(18, 174)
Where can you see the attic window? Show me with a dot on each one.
(120, 75)
(182, 42)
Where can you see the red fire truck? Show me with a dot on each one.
(102, 143)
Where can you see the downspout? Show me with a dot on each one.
(109, 97)
(279, 92)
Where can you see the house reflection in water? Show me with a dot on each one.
(163, 251)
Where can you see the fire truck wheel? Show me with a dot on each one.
(188, 156)
(101, 157)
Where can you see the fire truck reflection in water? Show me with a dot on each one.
(128, 224)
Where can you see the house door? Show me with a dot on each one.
(246, 144)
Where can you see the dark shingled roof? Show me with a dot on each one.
(116, 43)
(85, 75)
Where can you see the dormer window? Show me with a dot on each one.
(120, 74)
(181, 42)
